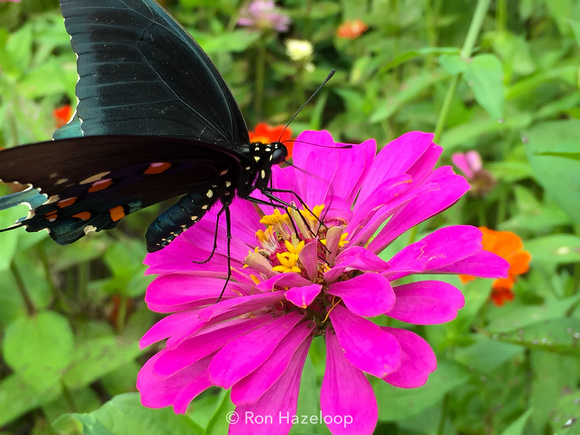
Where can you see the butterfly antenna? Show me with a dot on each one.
(328, 77)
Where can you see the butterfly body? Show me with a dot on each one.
(155, 120)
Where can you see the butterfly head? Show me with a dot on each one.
(264, 156)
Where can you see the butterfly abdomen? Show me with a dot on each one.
(180, 216)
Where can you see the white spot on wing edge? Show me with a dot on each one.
(89, 229)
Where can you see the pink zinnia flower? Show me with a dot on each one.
(319, 275)
(262, 15)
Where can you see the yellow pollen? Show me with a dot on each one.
(287, 262)
(294, 249)
(343, 240)
(315, 214)
(274, 218)
(255, 279)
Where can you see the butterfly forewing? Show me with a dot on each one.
(141, 73)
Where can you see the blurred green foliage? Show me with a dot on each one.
(507, 87)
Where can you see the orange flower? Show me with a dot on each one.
(266, 134)
(509, 247)
(62, 115)
(351, 29)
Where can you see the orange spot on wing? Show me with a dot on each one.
(84, 215)
(117, 213)
(51, 215)
(66, 202)
(100, 185)
(157, 168)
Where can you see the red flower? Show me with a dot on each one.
(62, 115)
(351, 29)
(509, 247)
(266, 134)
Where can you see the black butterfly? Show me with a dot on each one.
(154, 120)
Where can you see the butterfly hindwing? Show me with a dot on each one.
(105, 178)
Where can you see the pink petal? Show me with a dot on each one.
(437, 250)
(321, 160)
(359, 258)
(177, 289)
(426, 302)
(365, 345)
(253, 386)
(279, 402)
(242, 356)
(205, 342)
(360, 233)
(417, 363)
(395, 159)
(303, 296)
(384, 195)
(358, 159)
(347, 400)
(199, 381)
(484, 264)
(460, 160)
(242, 305)
(451, 188)
(474, 160)
(308, 258)
(159, 392)
(366, 295)
(286, 279)
(171, 325)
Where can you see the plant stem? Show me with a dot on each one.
(30, 308)
(470, 39)
(260, 72)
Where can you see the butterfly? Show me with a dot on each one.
(154, 120)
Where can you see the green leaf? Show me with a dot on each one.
(555, 249)
(565, 413)
(566, 155)
(19, 47)
(526, 86)
(17, 398)
(551, 376)
(39, 348)
(413, 88)
(412, 54)
(397, 403)
(510, 317)
(96, 357)
(557, 174)
(219, 422)
(555, 336)
(236, 41)
(469, 134)
(485, 355)
(50, 78)
(484, 74)
(125, 415)
(518, 426)
(10, 238)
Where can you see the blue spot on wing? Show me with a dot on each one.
(29, 196)
(72, 129)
